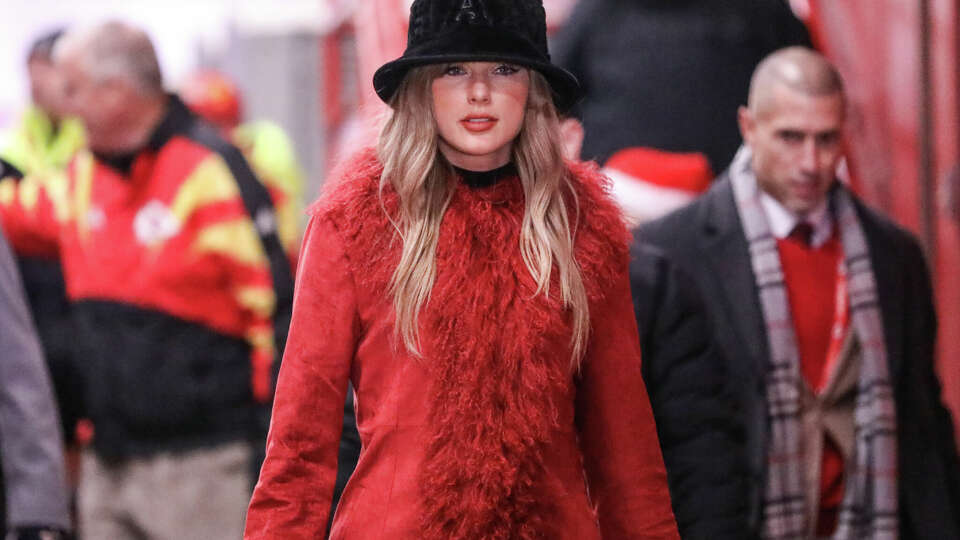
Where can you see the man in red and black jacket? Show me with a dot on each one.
(180, 289)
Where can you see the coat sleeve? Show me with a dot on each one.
(292, 497)
(700, 436)
(32, 210)
(30, 445)
(922, 415)
(624, 467)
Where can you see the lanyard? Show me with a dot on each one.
(838, 330)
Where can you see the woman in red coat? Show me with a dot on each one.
(473, 286)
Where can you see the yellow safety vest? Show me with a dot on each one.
(37, 146)
(271, 155)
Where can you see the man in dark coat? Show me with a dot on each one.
(824, 311)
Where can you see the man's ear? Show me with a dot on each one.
(571, 135)
(745, 121)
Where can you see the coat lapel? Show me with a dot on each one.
(725, 251)
(889, 278)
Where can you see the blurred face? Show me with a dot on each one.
(479, 108)
(45, 86)
(795, 139)
(100, 104)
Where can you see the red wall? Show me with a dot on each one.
(877, 45)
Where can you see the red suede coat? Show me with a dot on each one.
(491, 434)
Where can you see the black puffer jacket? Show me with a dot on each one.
(701, 440)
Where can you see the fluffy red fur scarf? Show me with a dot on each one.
(499, 355)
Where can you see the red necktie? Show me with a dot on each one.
(802, 232)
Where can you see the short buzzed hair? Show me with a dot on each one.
(114, 49)
(799, 69)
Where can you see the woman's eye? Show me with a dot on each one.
(505, 69)
(454, 70)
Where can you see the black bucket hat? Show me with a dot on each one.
(513, 31)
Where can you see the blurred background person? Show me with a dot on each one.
(267, 148)
(34, 498)
(39, 147)
(45, 138)
(666, 74)
(270, 153)
(684, 373)
(179, 288)
(696, 415)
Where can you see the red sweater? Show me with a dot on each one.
(811, 278)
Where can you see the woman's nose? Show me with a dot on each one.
(479, 91)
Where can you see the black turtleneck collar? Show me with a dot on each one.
(176, 120)
(482, 179)
(122, 162)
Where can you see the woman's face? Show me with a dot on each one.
(479, 108)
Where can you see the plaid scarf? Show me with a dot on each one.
(869, 508)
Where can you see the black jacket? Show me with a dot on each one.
(700, 437)
(669, 74)
(706, 240)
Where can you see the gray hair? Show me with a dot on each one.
(114, 50)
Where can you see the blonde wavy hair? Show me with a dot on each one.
(424, 183)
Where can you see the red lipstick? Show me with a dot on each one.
(478, 123)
